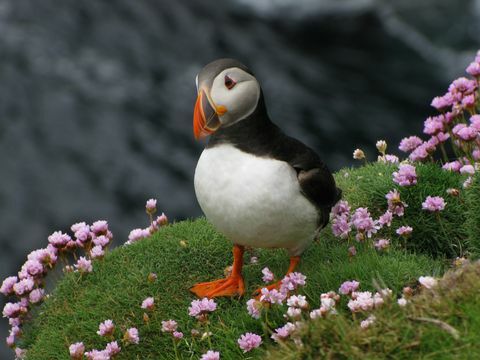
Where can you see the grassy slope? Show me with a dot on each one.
(119, 283)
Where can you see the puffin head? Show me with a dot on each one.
(227, 93)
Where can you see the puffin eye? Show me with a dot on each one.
(229, 82)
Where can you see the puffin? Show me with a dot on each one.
(258, 187)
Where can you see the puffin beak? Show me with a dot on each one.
(205, 116)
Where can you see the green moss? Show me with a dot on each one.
(442, 234)
(119, 283)
(443, 323)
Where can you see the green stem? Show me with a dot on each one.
(175, 348)
(208, 335)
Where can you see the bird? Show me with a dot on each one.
(258, 187)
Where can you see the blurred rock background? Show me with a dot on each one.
(96, 97)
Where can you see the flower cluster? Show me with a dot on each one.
(457, 121)
(155, 224)
(28, 286)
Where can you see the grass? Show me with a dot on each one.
(119, 283)
(440, 235)
(442, 323)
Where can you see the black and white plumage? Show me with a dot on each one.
(256, 185)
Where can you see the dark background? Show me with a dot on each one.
(96, 97)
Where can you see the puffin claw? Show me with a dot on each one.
(229, 287)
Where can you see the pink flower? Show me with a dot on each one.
(283, 332)
(368, 322)
(77, 350)
(106, 328)
(272, 296)
(452, 166)
(249, 341)
(83, 265)
(101, 240)
(462, 85)
(36, 296)
(33, 267)
(137, 234)
(348, 287)
(442, 102)
(7, 285)
(292, 281)
(13, 310)
(402, 302)
(112, 348)
(97, 252)
(81, 232)
(467, 169)
(433, 203)
(97, 355)
(406, 175)
(148, 303)
(341, 227)
(200, 307)
(382, 244)
(388, 159)
(464, 132)
(363, 222)
(361, 301)
(178, 335)
(267, 275)
(404, 230)
(20, 353)
(386, 218)
(297, 301)
(433, 125)
(340, 208)
(24, 286)
(421, 152)
(475, 122)
(151, 206)
(427, 282)
(254, 308)
(211, 355)
(161, 220)
(10, 340)
(131, 336)
(169, 326)
(410, 143)
(474, 68)
(395, 205)
(99, 227)
(58, 239)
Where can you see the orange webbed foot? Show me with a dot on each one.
(229, 287)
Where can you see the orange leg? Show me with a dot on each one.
(294, 260)
(231, 286)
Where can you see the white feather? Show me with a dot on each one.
(254, 201)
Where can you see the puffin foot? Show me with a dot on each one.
(230, 287)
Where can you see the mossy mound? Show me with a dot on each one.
(119, 283)
(441, 323)
(441, 234)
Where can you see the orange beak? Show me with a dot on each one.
(205, 116)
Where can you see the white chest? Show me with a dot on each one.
(254, 201)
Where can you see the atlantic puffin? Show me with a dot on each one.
(257, 186)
